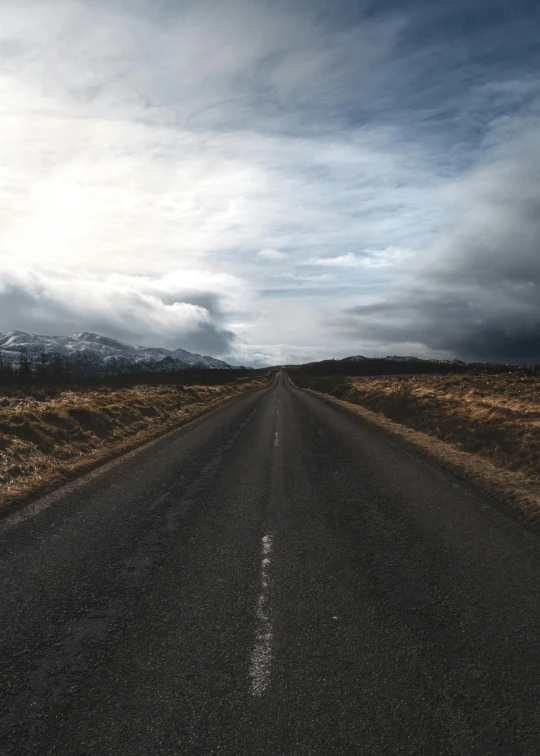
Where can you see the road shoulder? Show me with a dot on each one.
(511, 490)
(52, 486)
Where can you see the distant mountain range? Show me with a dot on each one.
(97, 354)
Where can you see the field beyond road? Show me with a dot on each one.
(48, 436)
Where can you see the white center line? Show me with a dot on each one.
(261, 657)
(276, 439)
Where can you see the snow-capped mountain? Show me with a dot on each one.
(96, 353)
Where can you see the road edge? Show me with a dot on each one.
(510, 489)
(110, 456)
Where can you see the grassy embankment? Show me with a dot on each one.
(489, 424)
(49, 436)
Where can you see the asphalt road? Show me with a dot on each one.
(273, 578)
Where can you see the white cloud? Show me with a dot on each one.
(144, 142)
(350, 260)
(271, 254)
(370, 258)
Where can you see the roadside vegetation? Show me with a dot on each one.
(483, 413)
(49, 435)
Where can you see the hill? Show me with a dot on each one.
(394, 364)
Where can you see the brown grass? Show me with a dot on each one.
(47, 438)
(488, 426)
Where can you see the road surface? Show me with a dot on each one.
(273, 578)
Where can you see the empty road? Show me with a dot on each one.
(273, 578)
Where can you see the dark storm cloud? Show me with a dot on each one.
(208, 339)
(476, 291)
(472, 325)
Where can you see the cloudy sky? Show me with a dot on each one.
(273, 181)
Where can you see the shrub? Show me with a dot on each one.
(398, 404)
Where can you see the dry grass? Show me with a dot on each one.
(49, 437)
(485, 427)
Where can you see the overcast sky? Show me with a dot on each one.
(275, 181)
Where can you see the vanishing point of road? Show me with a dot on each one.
(275, 577)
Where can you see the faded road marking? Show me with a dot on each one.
(276, 439)
(261, 657)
